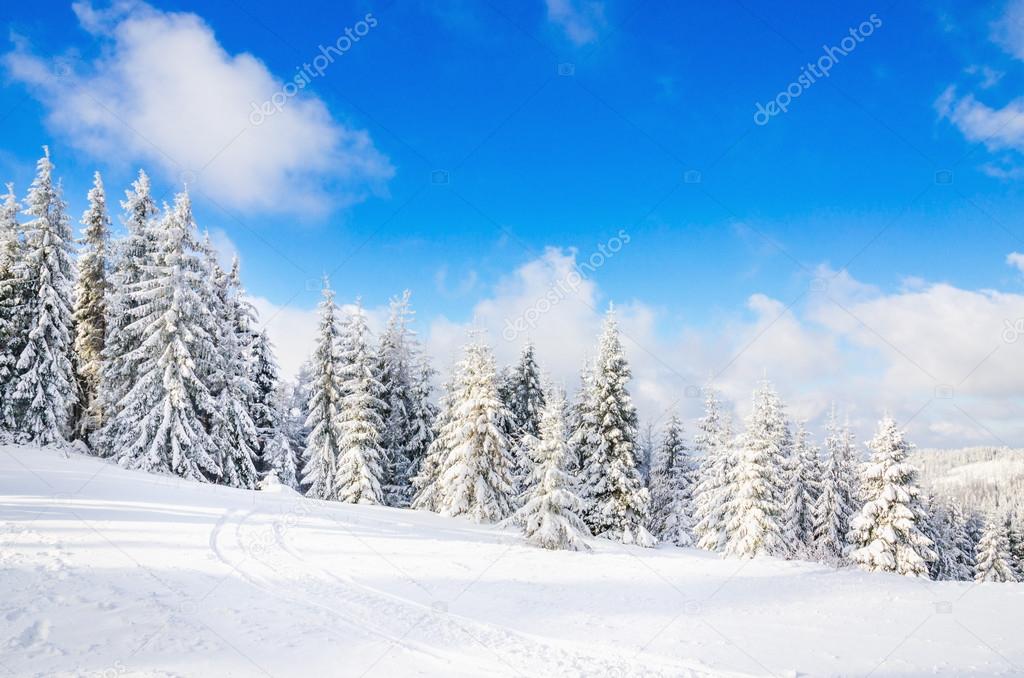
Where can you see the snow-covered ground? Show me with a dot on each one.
(110, 572)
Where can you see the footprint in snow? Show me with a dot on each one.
(34, 635)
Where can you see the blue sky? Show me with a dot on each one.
(560, 123)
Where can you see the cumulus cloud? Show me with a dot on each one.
(1016, 259)
(292, 329)
(941, 359)
(1008, 32)
(580, 20)
(937, 357)
(999, 128)
(166, 94)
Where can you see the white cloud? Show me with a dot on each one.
(225, 248)
(1016, 259)
(1008, 32)
(933, 355)
(999, 128)
(292, 330)
(580, 20)
(165, 93)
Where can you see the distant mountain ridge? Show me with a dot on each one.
(987, 479)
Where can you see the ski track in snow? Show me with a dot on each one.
(114, 573)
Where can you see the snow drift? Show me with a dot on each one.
(114, 572)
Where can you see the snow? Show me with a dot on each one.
(104, 569)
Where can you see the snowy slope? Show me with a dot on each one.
(106, 570)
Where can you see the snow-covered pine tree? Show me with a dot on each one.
(961, 566)
(268, 412)
(44, 392)
(801, 494)
(91, 294)
(234, 432)
(1015, 536)
(714, 440)
(406, 417)
(161, 420)
(618, 502)
(948, 534)
(582, 426)
(475, 476)
(550, 515)
(12, 336)
(130, 257)
(279, 450)
(426, 490)
(756, 512)
(993, 555)
(324, 406)
(646, 445)
(361, 458)
(887, 531)
(836, 504)
(524, 399)
(421, 418)
(672, 484)
(284, 449)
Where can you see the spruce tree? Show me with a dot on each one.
(618, 501)
(361, 458)
(161, 422)
(426, 490)
(131, 256)
(961, 565)
(712, 490)
(756, 518)
(550, 515)
(953, 551)
(524, 399)
(12, 336)
(582, 422)
(993, 555)
(672, 482)
(43, 392)
(887, 531)
(323, 421)
(407, 413)
(91, 295)
(1015, 536)
(279, 447)
(802, 493)
(234, 431)
(475, 476)
(268, 411)
(421, 419)
(836, 504)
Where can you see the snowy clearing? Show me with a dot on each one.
(126, 573)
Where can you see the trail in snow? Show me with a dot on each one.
(108, 571)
